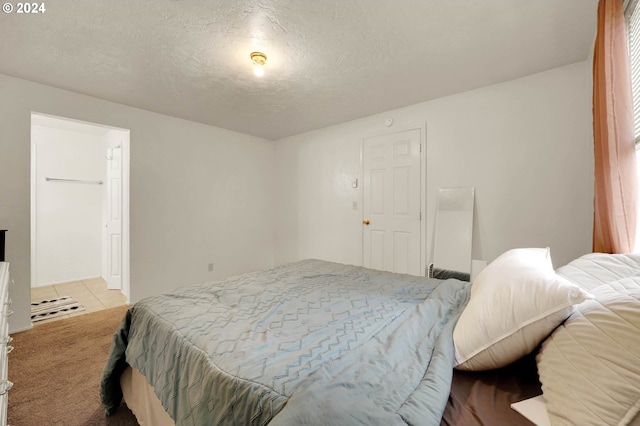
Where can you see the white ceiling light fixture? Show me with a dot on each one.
(258, 59)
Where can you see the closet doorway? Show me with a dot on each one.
(79, 213)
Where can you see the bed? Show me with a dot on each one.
(301, 342)
(316, 342)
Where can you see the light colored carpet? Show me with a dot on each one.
(56, 369)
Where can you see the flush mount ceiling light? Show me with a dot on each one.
(258, 59)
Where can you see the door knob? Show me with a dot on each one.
(366, 221)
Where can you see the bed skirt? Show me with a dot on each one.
(142, 400)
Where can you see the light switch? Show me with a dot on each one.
(354, 182)
(355, 205)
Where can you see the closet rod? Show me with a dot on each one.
(95, 182)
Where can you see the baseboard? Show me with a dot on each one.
(18, 330)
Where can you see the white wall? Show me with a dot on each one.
(68, 215)
(525, 145)
(199, 194)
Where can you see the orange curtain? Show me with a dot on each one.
(616, 192)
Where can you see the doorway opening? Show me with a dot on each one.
(79, 216)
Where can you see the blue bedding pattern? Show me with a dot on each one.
(311, 342)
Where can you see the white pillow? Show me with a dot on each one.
(590, 366)
(516, 302)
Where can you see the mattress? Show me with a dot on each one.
(142, 400)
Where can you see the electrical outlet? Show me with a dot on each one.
(210, 266)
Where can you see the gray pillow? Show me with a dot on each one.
(590, 366)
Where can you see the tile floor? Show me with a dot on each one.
(92, 294)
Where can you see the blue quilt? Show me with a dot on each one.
(306, 343)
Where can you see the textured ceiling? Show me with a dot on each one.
(328, 61)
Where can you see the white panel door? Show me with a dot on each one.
(114, 218)
(392, 200)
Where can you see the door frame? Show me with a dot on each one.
(422, 127)
(125, 200)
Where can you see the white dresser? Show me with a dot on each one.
(5, 340)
